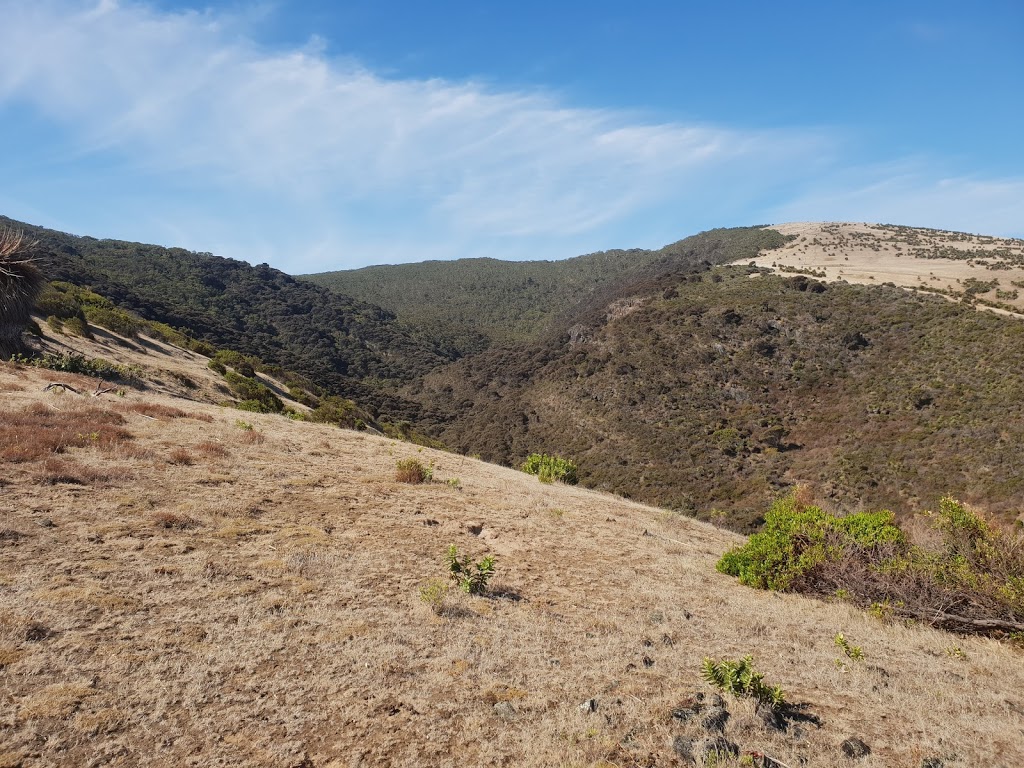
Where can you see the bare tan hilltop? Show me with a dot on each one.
(183, 584)
(955, 264)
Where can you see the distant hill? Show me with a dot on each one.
(349, 346)
(708, 393)
(478, 302)
(690, 377)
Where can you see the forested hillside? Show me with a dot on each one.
(474, 303)
(348, 346)
(668, 377)
(709, 393)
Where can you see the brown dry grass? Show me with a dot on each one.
(873, 254)
(283, 624)
(38, 431)
(159, 411)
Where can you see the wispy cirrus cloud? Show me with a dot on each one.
(196, 135)
(910, 192)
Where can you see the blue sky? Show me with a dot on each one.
(328, 135)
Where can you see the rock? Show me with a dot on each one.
(933, 762)
(689, 707)
(855, 748)
(45, 522)
(590, 705)
(769, 717)
(505, 710)
(683, 748)
(712, 749)
(714, 719)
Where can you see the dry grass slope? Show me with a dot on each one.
(259, 604)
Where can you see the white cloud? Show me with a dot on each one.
(912, 193)
(185, 95)
(192, 134)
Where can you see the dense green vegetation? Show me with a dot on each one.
(472, 303)
(953, 569)
(548, 469)
(351, 347)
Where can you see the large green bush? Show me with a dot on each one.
(959, 571)
(798, 537)
(551, 468)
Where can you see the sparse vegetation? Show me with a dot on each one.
(38, 432)
(413, 471)
(852, 652)
(471, 578)
(434, 594)
(739, 678)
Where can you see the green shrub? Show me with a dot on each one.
(76, 326)
(797, 537)
(73, 363)
(434, 594)
(853, 652)
(254, 395)
(113, 319)
(58, 303)
(966, 574)
(334, 410)
(551, 468)
(243, 366)
(741, 679)
(471, 577)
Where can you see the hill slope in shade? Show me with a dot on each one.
(349, 346)
(182, 589)
(708, 393)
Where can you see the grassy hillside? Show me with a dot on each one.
(180, 588)
(478, 302)
(709, 393)
(346, 345)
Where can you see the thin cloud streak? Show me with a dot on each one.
(338, 156)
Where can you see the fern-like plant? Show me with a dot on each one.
(471, 577)
(741, 679)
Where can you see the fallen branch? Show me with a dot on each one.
(947, 620)
(101, 390)
(659, 536)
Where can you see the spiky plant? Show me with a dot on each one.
(20, 284)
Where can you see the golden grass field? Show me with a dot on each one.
(183, 584)
(873, 254)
